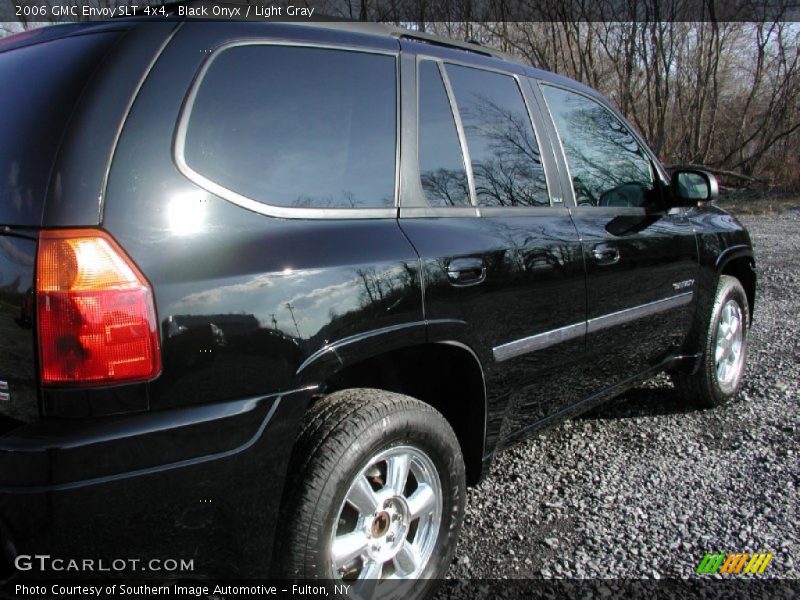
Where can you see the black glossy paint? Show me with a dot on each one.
(657, 250)
(275, 291)
(189, 483)
(40, 87)
(79, 173)
(259, 315)
(17, 350)
(534, 283)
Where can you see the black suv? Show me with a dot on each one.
(274, 294)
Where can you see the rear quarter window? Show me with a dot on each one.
(295, 127)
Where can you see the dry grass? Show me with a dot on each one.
(758, 203)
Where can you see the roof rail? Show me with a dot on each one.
(372, 27)
(469, 46)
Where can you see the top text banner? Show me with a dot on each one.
(409, 12)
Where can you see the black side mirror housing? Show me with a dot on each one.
(689, 187)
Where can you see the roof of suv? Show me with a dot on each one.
(362, 27)
(375, 28)
(58, 31)
(387, 31)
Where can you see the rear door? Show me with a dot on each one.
(501, 259)
(641, 260)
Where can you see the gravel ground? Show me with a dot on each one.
(644, 486)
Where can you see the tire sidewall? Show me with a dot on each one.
(729, 289)
(402, 428)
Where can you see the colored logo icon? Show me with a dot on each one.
(734, 563)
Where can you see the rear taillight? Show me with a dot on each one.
(95, 312)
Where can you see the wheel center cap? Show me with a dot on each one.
(388, 530)
(381, 524)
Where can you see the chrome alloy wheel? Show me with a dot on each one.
(729, 349)
(389, 521)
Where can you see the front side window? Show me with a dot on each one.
(297, 127)
(607, 165)
(441, 162)
(506, 161)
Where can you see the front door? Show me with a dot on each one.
(641, 260)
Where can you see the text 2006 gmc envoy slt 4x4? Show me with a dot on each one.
(272, 295)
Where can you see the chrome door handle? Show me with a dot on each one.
(605, 254)
(463, 272)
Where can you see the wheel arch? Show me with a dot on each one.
(445, 375)
(739, 262)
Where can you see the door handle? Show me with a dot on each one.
(463, 272)
(605, 254)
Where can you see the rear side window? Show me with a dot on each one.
(441, 162)
(40, 85)
(297, 127)
(506, 162)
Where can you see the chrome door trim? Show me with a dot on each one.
(462, 135)
(637, 312)
(538, 341)
(569, 332)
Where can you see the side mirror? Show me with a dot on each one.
(690, 186)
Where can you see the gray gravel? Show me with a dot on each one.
(647, 484)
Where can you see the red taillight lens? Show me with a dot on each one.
(95, 311)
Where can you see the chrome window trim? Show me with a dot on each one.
(562, 334)
(462, 142)
(462, 137)
(571, 188)
(536, 133)
(272, 210)
(532, 211)
(608, 211)
(467, 63)
(475, 210)
(418, 212)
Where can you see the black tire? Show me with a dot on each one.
(339, 435)
(704, 387)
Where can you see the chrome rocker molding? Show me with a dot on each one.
(539, 341)
(562, 334)
(638, 312)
